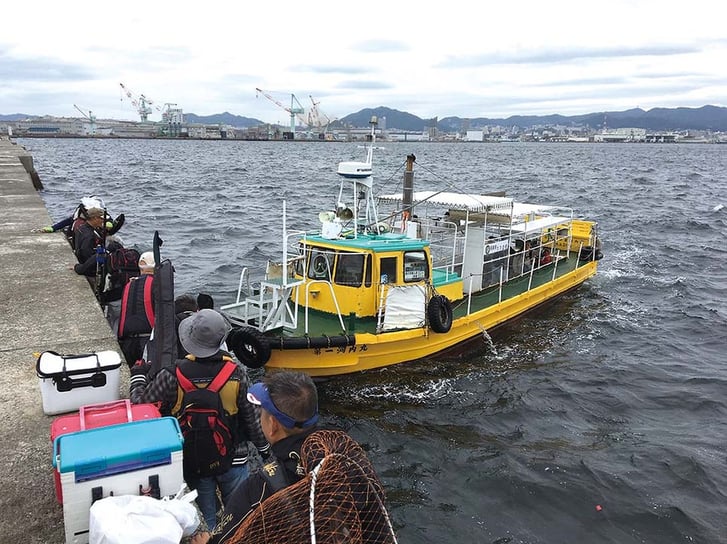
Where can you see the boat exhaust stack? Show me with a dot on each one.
(408, 194)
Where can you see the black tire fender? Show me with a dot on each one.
(250, 346)
(586, 254)
(439, 313)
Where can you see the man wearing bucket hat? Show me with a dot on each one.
(179, 390)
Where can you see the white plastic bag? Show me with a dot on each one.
(138, 519)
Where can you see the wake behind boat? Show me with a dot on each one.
(365, 290)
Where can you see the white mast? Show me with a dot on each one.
(361, 176)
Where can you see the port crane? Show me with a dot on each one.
(295, 110)
(141, 103)
(316, 118)
(91, 119)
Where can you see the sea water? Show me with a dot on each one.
(600, 418)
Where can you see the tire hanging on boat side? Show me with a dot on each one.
(439, 313)
(250, 346)
(587, 254)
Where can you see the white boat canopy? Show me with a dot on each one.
(477, 203)
(457, 201)
(537, 225)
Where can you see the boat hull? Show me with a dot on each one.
(373, 351)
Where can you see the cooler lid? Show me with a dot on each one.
(51, 364)
(95, 453)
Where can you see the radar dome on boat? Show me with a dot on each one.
(354, 169)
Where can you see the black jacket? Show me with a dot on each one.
(86, 240)
(257, 487)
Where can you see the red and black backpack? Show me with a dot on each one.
(207, 428)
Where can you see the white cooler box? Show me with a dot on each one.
(68, 382)
(116, 460)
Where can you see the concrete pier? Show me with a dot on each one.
(44, 305)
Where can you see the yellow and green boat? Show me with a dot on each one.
(367, 290)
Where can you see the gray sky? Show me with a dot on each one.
(437, 58)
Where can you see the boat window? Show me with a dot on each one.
(388, 270)
(299, 263)
(367, 275)
(349, 269)
(320, 264)
(415, 266)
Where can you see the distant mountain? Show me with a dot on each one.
(395, 119)
(712, 118)
(17, 117)
(226, 118)
(705, 118)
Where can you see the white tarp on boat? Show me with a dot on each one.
(475, 203)
(537, 225)
(460, 201)
(405, 307)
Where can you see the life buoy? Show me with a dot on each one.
(249, 346)
(439, 313)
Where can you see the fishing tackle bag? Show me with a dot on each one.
(68, 382)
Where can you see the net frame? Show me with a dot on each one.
(340, 500)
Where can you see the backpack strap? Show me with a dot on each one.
(122, 317)
(222, 376)
(215, 385)
(148, 302)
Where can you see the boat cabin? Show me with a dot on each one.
(354, 275)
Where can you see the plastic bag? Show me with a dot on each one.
(124, 519)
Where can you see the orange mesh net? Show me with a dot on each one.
(340, 500)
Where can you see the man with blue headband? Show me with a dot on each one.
(288, 404)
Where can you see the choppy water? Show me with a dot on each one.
(598, 419)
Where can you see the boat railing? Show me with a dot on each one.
(244, 275)
(333, 297)
(503, 277)
(446, 244)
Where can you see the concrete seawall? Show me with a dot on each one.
(44, 305)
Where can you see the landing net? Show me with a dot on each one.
(340, 501)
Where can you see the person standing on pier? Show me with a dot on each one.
(136, 315)
(177, 390)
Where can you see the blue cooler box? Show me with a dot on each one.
(141, 457)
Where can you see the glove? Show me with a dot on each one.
(240, 457)
(141, 368)
(116, 224)
(138, 374)
(47, 229)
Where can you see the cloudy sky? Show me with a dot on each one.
(454, 58)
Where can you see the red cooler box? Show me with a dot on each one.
(93, 416)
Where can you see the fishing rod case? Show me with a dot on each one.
(68, 382)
